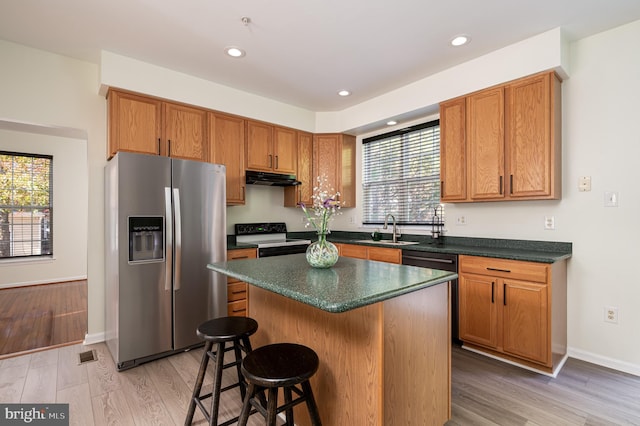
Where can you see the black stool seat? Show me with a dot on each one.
(280, 365)
(218, 332)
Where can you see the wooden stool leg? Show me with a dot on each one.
(272, 406)
(289, 411)
(241, 382)
(217, 384)
(311, 404)
(198, 386)
(246, 406)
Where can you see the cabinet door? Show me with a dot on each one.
(525, 320)
(134, 123)
(453, 151)
(485, 125)
(529, 137)
(478, 322)
(185, 132)
(302, 193)
(226, 145)
(334, 157)
(259, 146)
(285, 150)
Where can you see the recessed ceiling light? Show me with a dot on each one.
(234, 52)
(344, 93)
(460, 40)
(392, 123)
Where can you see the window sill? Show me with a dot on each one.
(27, 260)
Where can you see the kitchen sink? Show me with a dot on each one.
(388, 243)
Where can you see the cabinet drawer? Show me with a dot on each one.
(504, 268)
(238, 254)
(237, 308)
(352, 250)
(236, 291)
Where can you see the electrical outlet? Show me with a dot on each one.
(352, 219)
(549, 223)
(611, 314)
(461, 220)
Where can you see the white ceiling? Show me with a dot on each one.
(301, 52)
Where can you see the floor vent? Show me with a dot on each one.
(87, 356)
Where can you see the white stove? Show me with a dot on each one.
(271, 239)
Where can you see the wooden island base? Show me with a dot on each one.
(383, 364)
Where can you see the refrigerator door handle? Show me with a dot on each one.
(169, 239)
(178, 240)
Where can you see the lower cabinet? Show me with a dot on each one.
(238, 291)
(381, 254)
(514, 309)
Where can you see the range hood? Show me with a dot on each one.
(271, 179)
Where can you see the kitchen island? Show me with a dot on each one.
(381, 332)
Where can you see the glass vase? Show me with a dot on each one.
(322, 253)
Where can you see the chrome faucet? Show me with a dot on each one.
(395, 235)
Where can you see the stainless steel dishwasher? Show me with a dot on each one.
(444, 262)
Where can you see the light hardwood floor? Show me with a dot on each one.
(484, 392)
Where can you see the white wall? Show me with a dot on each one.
(70, 212)
(60, 94)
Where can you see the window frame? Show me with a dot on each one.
(36, 240)
(433, 208)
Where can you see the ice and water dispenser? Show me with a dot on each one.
(146, 239)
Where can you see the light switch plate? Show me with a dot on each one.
(611, 199)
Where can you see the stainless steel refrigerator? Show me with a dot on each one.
(165, 220)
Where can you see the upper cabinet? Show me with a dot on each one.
(503, 143)
(151, 126)
(226, 146)
(270, 148)
(304, 173)
(334, 156)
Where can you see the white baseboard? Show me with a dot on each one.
(49, 281)
(90, 339)
(616, 364)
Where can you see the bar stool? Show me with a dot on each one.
(280, 365)
(219, 331)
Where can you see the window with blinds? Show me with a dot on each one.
(402, 176)
(26, 205)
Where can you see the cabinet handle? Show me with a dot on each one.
(270, 161)
(498, 270)
(158, 146)
(240, 257)
(504, 294)
(510, 184)
(441, 188)
(500, 185)
(276, 162)
(238, 291)
(238, 310)
(493, 285)
(169, 148)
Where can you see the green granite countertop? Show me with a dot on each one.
(349, 284)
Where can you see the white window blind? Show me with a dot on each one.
(402, 175)
(25, 205)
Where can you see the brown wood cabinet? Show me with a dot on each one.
(238, 291)
(506, 309)
(226, 146)
(271, 148)
(503, 143)
(334, 156)
(381, 254)
(152, 126)
(304, 173)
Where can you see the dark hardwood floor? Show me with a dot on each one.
(490, 392)
(42, 316)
